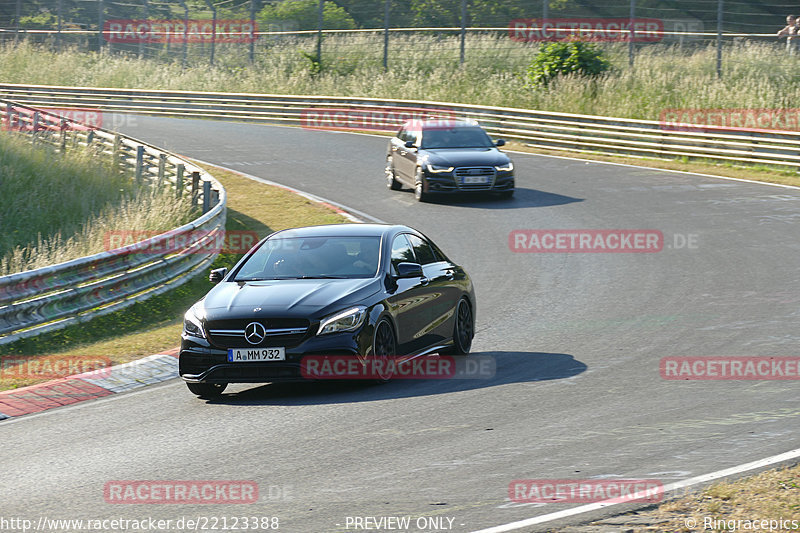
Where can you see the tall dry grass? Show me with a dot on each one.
(423, 66)
(58, 207)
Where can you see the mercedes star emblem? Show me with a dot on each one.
(254, 333)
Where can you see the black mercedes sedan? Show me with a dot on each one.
(447, 156)
(360, 290)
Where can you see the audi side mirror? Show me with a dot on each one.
(216, 275)
(410, 144)
(500, 142)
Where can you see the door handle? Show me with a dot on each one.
(403, 152)
(423, 280)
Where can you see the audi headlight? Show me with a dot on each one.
(192, 324)
(349, 320)
(508, 167)
(439, 169)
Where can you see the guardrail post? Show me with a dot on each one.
(89, 138)
(162, 168)
(116, 159)
(214, 197)
(9, 116)
(179, 180)
(195, 187)
(35, 122)
(206, 196)
(139, 163)
(63, 132)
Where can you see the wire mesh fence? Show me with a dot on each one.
(344, 34)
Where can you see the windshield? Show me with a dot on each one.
(312, 257)
(473, 137)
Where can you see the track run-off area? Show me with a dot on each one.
(577, 338)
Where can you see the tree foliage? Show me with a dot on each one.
(573, 57)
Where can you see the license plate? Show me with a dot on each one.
(467, 180)
(247, 355)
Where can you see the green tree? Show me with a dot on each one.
(305, 14)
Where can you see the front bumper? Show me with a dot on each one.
(448, 183)
(201, 362)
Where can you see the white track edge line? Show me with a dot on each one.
(793, 454)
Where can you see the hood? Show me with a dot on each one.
(466, 157)
(302, 297)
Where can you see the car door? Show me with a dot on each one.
(405, 159)
(442, 292)
(408, 301)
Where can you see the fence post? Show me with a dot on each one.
(719, 38)
(115, 155)
(195, 187)
(162, 168)
(146, 16)
(58, 34)
(253, 25)
(9, 117)
(386, 8)
(100, 24)
(320, 19)
(63, 132)
(139, 163)
(35, 123)
(179, 180)
(206, 195)
(463, 28)
(631, 34)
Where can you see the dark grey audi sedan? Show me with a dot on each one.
(361, 290)
(447, 156)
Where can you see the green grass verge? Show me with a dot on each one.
(154, 325)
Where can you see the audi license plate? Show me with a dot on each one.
(470, 180)
(246, 355)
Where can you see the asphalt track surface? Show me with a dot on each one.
(577, 340)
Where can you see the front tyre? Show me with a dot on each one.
(384, 349)
(419, 187)
(463, 331)
(207, 391)
(391, 180)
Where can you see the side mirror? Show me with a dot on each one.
(500, 142)
(409, 270)
(410, 144)
(216, 275)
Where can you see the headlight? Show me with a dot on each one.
(438, 169)
(192, 325)
(505, 168)
(349, 320)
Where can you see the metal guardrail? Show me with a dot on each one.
(538, 129)
(56, 296)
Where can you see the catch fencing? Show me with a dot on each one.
(53, 297)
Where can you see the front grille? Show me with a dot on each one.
(286, 332)
(483, 178)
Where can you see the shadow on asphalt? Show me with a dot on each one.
(512, 367)
(523, 198)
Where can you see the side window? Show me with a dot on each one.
(402, 134)
(422, 250)
(401, 251)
